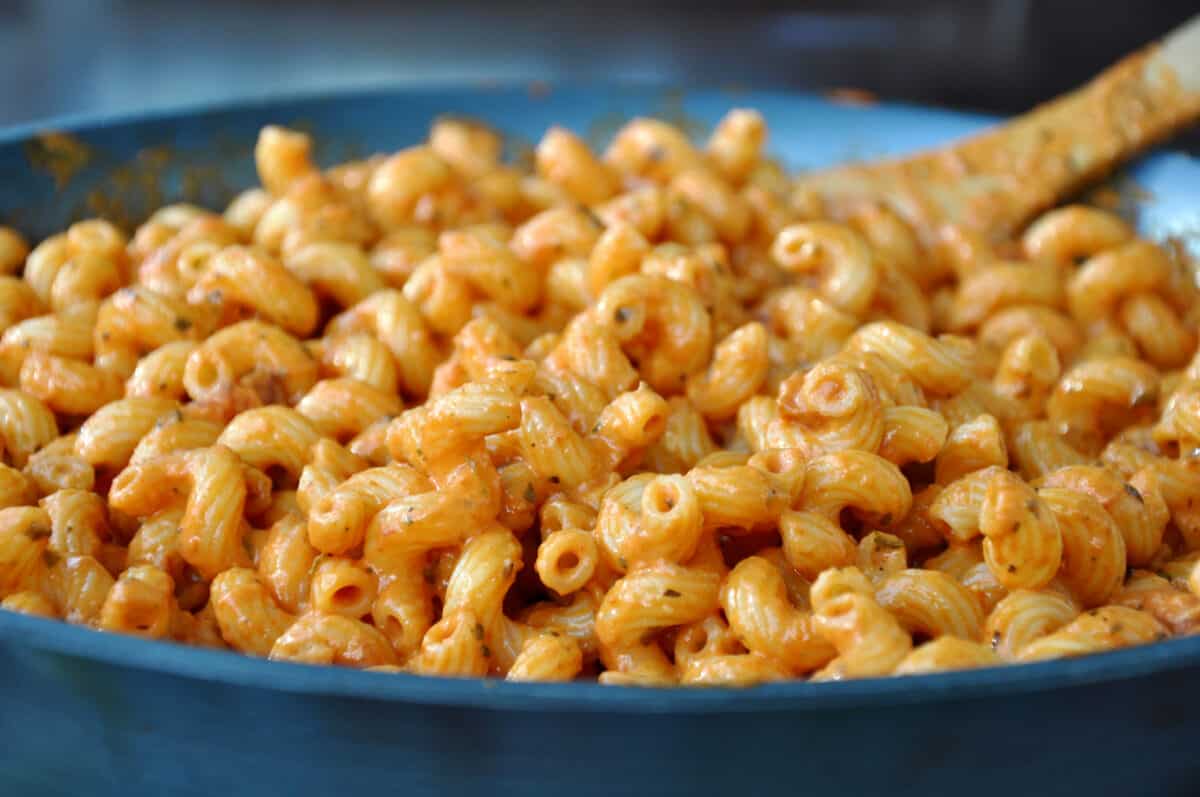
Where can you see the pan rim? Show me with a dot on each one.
(236, 669)
(86, 121)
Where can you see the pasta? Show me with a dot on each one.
(646, 416)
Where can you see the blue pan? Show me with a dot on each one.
(83, 713)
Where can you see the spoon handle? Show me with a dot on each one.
(996, 181)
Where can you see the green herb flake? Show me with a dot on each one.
(1134, 492)
(530, 493)
(672, 593)
(592, 217)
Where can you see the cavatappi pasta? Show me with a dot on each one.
(647, 416)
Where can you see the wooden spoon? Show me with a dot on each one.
(995, 182)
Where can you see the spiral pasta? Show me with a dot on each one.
(654, 415)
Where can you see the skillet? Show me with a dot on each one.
(97, 714)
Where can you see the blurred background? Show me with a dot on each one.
(72, 56)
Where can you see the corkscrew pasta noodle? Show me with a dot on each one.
(645, 415)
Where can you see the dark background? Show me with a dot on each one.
(71, 56)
